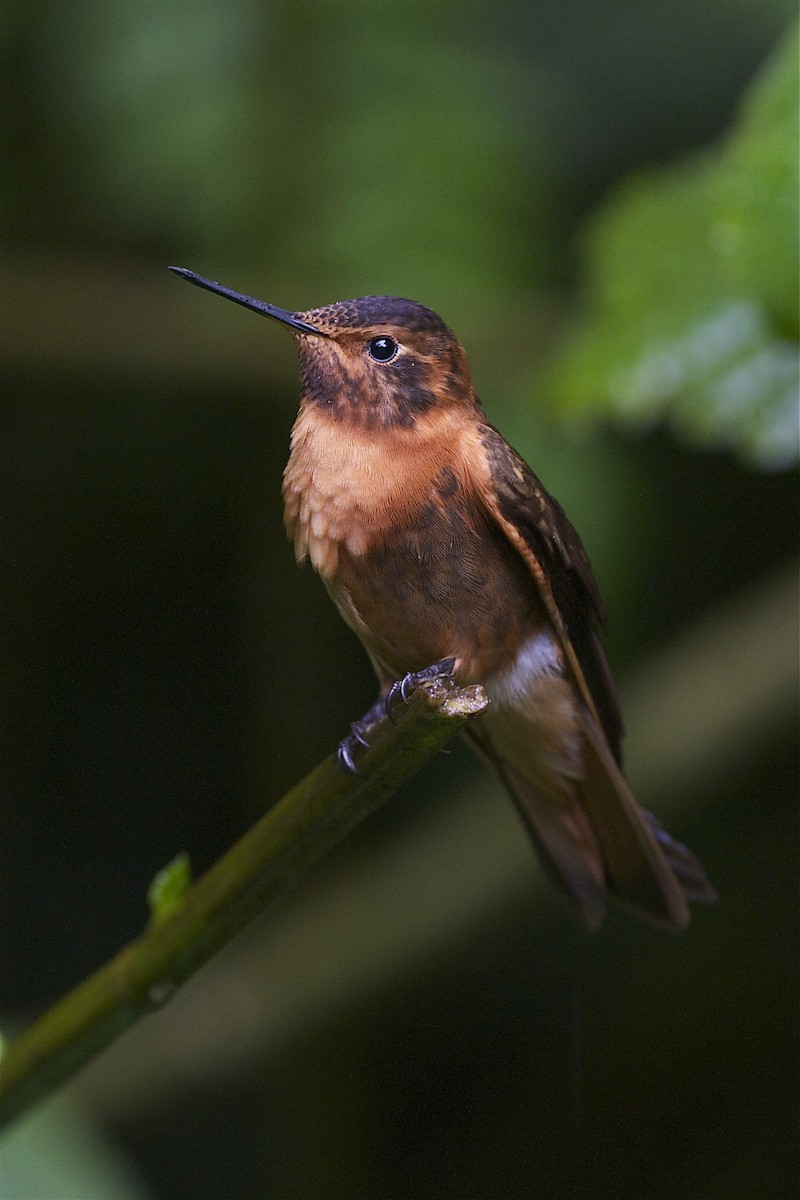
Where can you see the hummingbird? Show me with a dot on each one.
(443, 551)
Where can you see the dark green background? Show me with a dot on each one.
(167, 672)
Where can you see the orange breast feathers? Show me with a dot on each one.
(345, 486)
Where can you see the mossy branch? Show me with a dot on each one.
(187, 930)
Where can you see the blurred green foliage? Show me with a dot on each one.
(239, 131)
(56, 1153)
(693, 307)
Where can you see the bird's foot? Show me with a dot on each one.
(405, 686)
(357, 736)
(361, 729)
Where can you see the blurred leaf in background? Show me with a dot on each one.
(693, 297)
(58, 1153)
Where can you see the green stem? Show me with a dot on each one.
(265, 863)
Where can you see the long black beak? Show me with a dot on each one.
(259, 306)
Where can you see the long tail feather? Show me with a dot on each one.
(595, 840)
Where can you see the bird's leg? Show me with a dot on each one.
(405, 686)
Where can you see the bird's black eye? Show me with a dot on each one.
(382, 349)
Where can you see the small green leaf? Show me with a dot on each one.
(169, 887)
(694, 311)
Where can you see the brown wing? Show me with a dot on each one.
(641, 864)
(538, 527)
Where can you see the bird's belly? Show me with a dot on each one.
(438, 588)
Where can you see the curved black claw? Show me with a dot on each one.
(405, 686)
(358, 737)
(344, 753)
